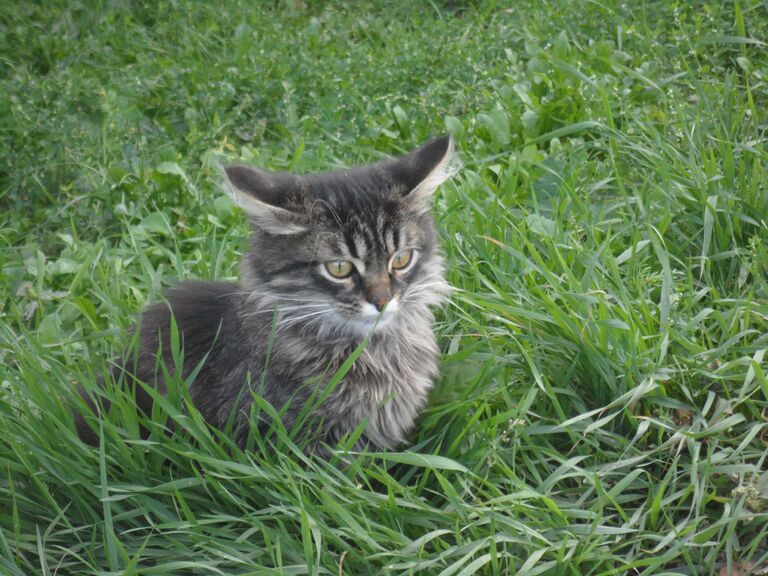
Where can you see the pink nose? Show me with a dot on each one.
(381, 302)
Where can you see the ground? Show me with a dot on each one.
(603, 397)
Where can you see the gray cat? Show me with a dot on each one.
(335, 258)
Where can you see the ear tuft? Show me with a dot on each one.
(271, 199)
(424, 169)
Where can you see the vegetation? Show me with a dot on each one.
(603, 403)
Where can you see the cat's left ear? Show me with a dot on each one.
(423, 170)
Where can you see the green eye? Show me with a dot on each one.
(339, 268)
(402, 259)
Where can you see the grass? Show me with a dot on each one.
(604, 391)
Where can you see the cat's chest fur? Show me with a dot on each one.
(385, 387)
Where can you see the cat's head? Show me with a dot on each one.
(343, 253)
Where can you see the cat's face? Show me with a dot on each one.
(346, 253)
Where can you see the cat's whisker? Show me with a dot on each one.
(297, 301)
(296, 306)
(430, 289)
(427, 277)
(280, 297)
(305, 326)
(294, 316)
(290, 320)
(236, 293)
(283, 309)
(261, 295)
(425, 287)
(424, 279)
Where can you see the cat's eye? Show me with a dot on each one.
(339, 268)
(402, 259)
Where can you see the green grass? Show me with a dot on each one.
(604, 392)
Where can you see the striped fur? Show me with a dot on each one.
(289, 326)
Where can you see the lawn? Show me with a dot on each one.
(603, 400)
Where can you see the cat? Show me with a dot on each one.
(335, 258)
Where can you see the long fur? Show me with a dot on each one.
(288, 327)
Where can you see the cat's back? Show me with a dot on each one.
(200, 323)
(200, 320)
(213, 340)
(202, 312)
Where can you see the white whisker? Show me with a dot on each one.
(284, 309)
(294, 319)
(278, 297)
(425, 288)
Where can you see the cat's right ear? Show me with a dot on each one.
(423, 170)
(272, 200)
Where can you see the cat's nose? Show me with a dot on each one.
(381, 302)
(379, 295)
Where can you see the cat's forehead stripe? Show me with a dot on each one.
(370, 234)
(360, 246)
(383, 239)
(407, 239)
(368, 238)
(390, 240)
(348, 243)
(342, 247)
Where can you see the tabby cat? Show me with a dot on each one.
(334, 258)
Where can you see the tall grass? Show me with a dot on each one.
(603, 397)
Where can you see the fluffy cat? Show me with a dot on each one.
(334, 258)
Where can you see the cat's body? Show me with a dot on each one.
(334, 258)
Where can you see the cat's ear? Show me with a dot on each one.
(271, 199)
(423, 170)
